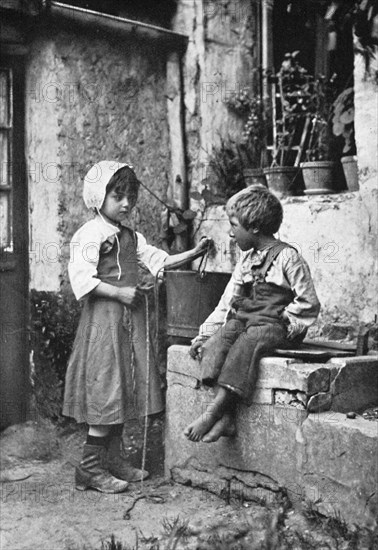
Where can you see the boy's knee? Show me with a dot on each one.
(232, 329)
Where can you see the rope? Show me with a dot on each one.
(132, 360)
(147, 386)
(170, 208)
(130, 326)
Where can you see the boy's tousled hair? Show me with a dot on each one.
(256, 207)
(124, 181)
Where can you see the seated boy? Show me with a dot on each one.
(269, 302)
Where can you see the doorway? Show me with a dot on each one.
(14, 302)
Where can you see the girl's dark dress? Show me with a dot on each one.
(106, 379)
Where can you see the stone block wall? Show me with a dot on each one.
(281, 445)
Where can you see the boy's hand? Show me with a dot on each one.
(129, 296)
(195, 350)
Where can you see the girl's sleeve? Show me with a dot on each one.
(218, 317)
(150, 257)
(303, 311)
(84, 256)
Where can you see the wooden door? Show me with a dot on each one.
(14, 354)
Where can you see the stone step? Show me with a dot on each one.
(342, 384)
(323, 457)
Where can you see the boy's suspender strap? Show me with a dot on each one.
(271, 256)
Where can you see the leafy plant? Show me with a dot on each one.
(343, 120)
(54, 318)
(253, 144)
(321, 108)
(224, 170)
(291, 99)
(175, 221)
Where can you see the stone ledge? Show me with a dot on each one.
(341, 384)
(275, 372)
(324, 457)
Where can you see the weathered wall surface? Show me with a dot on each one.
(89, 98)
(94, 106)
(335, 233)
(218, 61)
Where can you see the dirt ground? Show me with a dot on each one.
(40, 508)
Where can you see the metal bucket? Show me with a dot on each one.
(191, 297)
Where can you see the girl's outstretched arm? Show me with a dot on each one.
(176, 260)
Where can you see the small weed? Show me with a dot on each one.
(311, 512)
(216, 542)
(175, 529)
(337, 526)
(111, 544)
(175, 525)
(116, 545)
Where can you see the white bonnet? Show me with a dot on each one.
(96, 180)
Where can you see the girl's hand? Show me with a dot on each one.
(129, 296)
(204, 245)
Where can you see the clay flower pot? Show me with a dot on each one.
(350, 168)
(254, 176)
(320, 177)
(284, 181)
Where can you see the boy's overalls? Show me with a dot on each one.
(254, 328)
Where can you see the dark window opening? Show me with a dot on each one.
(322, 33)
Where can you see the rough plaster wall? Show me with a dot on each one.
(42, 146)
(89, 99)
(337, 234)
(218, 61)
(366, 122)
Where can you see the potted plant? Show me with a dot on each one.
(224, 169)
(343, 128)
(252, 148)
(320, 168)
(290, 97)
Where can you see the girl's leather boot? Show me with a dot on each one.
(118, 464)
(92, 472)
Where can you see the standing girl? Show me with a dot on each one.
(107, 380)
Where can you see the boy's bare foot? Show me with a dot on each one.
(197, 429)
(225, 427)
(214, 412)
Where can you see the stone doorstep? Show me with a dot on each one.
(326, 457)
(341, 468)
(341, 384)
(323, 456)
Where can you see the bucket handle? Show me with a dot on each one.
(203, 262)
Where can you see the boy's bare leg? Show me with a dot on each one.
(214, 412)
